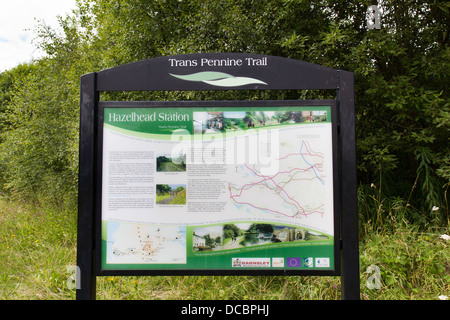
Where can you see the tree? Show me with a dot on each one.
(401, 82)
(261, 227)
(231, 231)
(163, 188)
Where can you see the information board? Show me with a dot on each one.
(213, 187)
(217, 187)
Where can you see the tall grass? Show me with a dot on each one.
(38, 245)
(180, 198)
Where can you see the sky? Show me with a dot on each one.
(18, 22)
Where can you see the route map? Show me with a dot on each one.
(298, 191)
(280, 193)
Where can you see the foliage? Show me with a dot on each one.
(231, 231)
(163, 188)
(411, 263)
(260, 227)
(180, 196)
(402, 114)
(37, 244)
(401, 72)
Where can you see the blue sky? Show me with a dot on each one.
(18, 20)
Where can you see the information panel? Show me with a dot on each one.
(221, 187)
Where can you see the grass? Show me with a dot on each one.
(180, 198)
(161, 197)
(413, 265)
(38, 246)
(171, 167)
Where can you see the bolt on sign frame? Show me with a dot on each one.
(113, 241)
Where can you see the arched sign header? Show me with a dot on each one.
(218, 71)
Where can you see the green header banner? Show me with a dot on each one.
(167, 120)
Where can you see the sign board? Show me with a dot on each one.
(217, 187)
(212, 187)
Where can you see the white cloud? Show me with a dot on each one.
(18, 20)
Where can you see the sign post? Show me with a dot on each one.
(217, 187)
